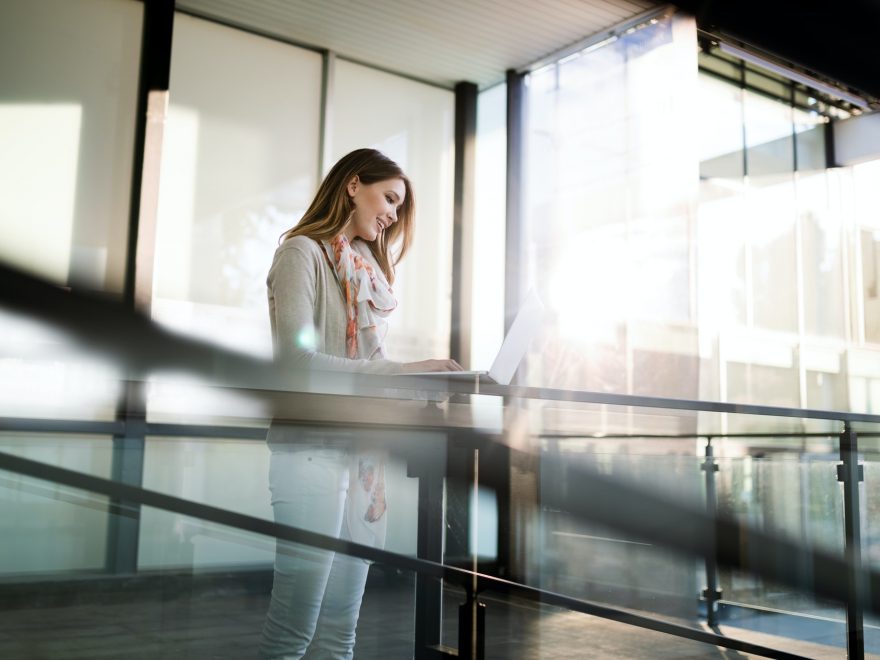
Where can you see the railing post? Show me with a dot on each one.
(472, 628)
(850, 473)
(429, 466)
(711, 594)
(127, 467)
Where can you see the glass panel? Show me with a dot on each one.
(239, 167)
(772, 86)
(870, 500)
(721, 133)
(416, 131)
(590, 561)
(773, 267)
(866, 194)
(487, 308)
(47, 528)
(826, 391)
(237, 475)
(793, 494)
(721, 64)
(229, 474)
(754, 383)
(186, 611)
(768, 133)
(608, 207)
(44, 375)
(68, 90)
(823, 269)
(810, 140)
(870, 244)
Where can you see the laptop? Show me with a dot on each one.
(513, 348)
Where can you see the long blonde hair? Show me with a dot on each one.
(332, 207)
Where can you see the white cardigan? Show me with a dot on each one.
(307, 310)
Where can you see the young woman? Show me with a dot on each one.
(329, 295)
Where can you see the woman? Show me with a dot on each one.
(329, 295)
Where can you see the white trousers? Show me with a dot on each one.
(316, 594)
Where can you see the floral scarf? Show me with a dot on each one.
(368, 301)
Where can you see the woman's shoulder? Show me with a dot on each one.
(298, 249)
(296, 255)
(299, 243)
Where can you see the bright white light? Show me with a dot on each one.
(589, 288)
(39, 153)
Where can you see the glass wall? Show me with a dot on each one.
(691, 242)
(487, 303)
(68, 88)
(48, 528)
(240, 163)
(609, 201)
(239, 167)
(68, 92)
(684, 227)
(413, 124)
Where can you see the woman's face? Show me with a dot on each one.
(375, 207)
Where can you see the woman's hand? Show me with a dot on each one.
(430, 365)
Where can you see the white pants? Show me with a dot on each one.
(316, 594)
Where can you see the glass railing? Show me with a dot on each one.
(512, 513)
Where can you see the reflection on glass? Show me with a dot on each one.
(416, 131)
(67, 107)
(237, 170)
(33, 223)
(47, 528)
(609, 199)
(581, 559)
(487, 308)
(796, 495)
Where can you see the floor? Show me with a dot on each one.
(225, 623)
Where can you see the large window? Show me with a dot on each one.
(68, 87)
(413, 124)
(239, 167)
(609, 197)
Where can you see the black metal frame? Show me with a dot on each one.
(127, 462)
(850, 473)
(463, 220)
(514, 269)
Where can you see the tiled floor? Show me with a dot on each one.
(226, 624)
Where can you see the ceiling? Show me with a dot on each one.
(836, 41)
(439, 42)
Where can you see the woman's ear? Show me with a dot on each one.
(353, 186)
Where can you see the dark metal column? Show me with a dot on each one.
(850, 473)
(499, 459)
(127, 467)
(463, 221)
(155, 73)
(429, 466)
(123, 524)
(711, 594)
(514, 266)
